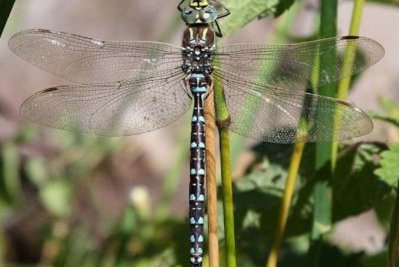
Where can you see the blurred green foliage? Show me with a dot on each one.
(389, 171)
(5, 10)
(51, 213)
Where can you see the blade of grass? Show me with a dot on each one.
(211, 182)
(5, 10)
(344, 84)
(283, 28)
(286, 201)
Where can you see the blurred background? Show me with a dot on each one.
(71, 199)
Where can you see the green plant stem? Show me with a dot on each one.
(5, 10)
(281, 35)
(223, 120)
(229, 226)
(286, 201)
(322, 192)
(344, 84)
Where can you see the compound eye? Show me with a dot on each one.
(211, 11)
(188, 11)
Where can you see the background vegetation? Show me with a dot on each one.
(69, 199)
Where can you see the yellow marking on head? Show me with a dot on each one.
(199, 3)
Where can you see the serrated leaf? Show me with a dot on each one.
(389, 170)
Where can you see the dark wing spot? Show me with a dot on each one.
(52, 89)
(349, 37)
(43, 31)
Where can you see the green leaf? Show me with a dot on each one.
(283, 6)
(389, 170)
(356, 188)
(245, 11)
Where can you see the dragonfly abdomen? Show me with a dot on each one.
(199, 84)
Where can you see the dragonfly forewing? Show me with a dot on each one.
(86, 60)
(291, 66)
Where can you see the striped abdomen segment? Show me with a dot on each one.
(199, 84)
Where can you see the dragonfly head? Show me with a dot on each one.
(199, 12)
(194, 12)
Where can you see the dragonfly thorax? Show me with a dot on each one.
(198, 50)
(197, 59)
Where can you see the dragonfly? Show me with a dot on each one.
(121, 88)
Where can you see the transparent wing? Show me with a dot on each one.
(290, 66)
(275, 115)
(85, 60)
(112, 109)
